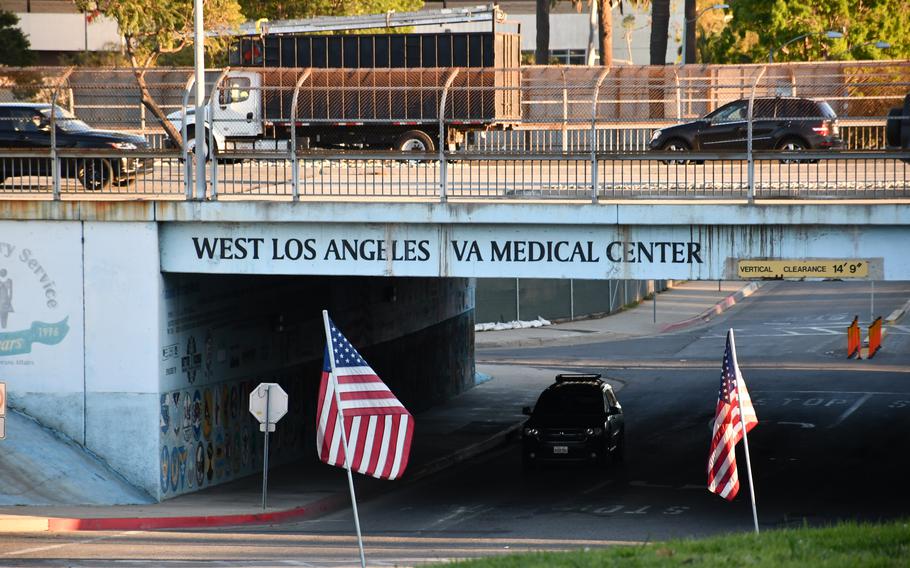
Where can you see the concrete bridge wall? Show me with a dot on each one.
(152, 371)
(138, 328)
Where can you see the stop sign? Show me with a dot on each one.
(271, 397)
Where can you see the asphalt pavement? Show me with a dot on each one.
(477, 420)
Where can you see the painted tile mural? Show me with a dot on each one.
(208, 436)
(215, 349)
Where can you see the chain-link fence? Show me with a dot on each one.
(746, 131)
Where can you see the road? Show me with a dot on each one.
(831, 444)
(551, 178)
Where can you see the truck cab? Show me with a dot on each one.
(236, 114)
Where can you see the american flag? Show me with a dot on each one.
(378, 427)
(728, 425)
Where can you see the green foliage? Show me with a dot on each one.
(102, 58)
(15, 49)
(844, 545)
(291, 9)
(758, 26)
(153, 27)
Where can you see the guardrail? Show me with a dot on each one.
(530, 133)
(589, 177)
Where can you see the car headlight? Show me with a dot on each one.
(593, 431)
(531, 432)
(123, 145)
(656, 134)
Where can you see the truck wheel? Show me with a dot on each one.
(414, 141)
(191, 143)
(95, 175)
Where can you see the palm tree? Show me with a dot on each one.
(660, 30)
(542, 53)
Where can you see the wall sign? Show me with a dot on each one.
(462, 251)
(800, 269)
(508, 250)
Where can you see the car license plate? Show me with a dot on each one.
(560, 449)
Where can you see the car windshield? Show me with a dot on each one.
(570, 399)
(66, 120)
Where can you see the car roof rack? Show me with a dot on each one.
(568, 377)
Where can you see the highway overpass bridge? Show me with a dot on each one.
(138, 328)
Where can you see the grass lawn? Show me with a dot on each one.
(846, 545)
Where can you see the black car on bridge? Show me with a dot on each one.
(578, 418)
(27, 126)
(788, 124)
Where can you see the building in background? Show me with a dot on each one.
(57, 29)
(569, 29)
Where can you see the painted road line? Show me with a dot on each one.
(851, 410)
(65, 544)
(828, 331)
(803, 425)
(597, 486)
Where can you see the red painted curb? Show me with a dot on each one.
(55, 524)
(716, 309)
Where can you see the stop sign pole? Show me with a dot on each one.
(268, 403)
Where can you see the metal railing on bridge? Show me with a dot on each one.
(534, 132)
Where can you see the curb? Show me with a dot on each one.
(10, 523)
(717, 309)
(898, 313)
(332, 503)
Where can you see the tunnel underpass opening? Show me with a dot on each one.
(225, 334)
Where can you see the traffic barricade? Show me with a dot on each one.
(875, 337)
(853, 339)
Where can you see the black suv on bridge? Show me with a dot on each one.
(27, 126)
(779, 123)
(575, 419)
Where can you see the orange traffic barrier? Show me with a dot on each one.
(854, 340)
(875, 337)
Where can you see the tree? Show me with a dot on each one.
(660, 31)
(760, 26)
(604, 26)
(542, 51)
(15, 49)
(151, 28)
(690, 14)
(288, 9)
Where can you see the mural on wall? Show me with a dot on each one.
(215, 351)
(28, 290)
(41, 321)
(211, 444)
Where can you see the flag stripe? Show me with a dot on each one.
(353, 439)
(384, 447)
(370, 403)
(368, 395)
(352, 388)
(400, 435)
(355, 374)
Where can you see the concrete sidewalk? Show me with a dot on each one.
(477, 420)
(687, 304)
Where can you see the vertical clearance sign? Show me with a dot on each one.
(443, 250)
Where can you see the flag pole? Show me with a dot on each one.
(742, 420)
(339, 419)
